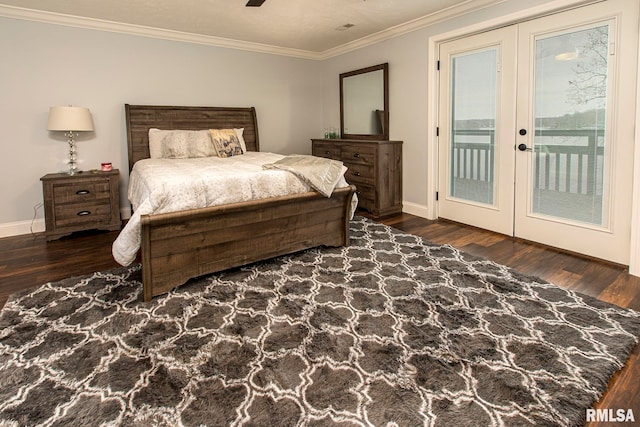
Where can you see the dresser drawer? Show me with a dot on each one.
(366, 197)
(358, 154)
(82, 213)
(359, 174)
(81, 191)
(327, 150)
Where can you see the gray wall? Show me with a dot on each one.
(45, 65)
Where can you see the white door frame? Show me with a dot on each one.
(432, 112)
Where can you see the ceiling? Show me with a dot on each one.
(308, 26)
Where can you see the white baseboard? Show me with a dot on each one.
(18, 228)
(21, 227)
(416, 209)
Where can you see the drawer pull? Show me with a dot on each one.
(82, 192)
(356, 174)
(84, 213)
(327, 153)
(356, 155)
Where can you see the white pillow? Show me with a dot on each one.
(180, 144)
(155, 142)
(243, 144)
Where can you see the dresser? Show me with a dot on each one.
(84, 201)
(375, 168)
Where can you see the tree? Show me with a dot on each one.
(590, 83)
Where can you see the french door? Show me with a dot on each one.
(536, 129)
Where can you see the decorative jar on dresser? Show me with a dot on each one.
(374, 167)
(84, 201)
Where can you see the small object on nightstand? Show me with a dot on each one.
(106, 166)
(81, 202)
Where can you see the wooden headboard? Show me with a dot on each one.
(141, 118)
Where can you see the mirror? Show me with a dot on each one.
(364, 103)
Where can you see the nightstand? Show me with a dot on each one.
(84, 201)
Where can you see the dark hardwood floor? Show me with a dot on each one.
(28, 261)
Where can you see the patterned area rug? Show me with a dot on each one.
(392, 329)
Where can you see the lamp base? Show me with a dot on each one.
(73, 154)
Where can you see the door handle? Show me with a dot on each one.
(523, 147)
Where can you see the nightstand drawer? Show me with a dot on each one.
(82, 213)
(81, 191)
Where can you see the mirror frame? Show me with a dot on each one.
(385, 120)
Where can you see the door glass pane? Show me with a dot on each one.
(570, 155)
(473, 118)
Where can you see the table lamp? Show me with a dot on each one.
(70, 120)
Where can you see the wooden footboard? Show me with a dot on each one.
(179, 246)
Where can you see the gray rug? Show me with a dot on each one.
(392, 329)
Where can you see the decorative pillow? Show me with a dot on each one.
(226, 142)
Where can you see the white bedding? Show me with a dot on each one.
(171, 185)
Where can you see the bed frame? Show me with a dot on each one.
(182, 245)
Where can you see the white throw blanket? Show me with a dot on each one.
(171, 185)
(321, 174)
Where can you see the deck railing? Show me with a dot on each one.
(569, 161)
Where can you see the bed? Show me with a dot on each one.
(178, 246)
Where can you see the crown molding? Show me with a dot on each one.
(140, 30)
(407, 27)
(158, 33)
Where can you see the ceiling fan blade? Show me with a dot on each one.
(255, 3)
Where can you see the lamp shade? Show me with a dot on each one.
(77, 119)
